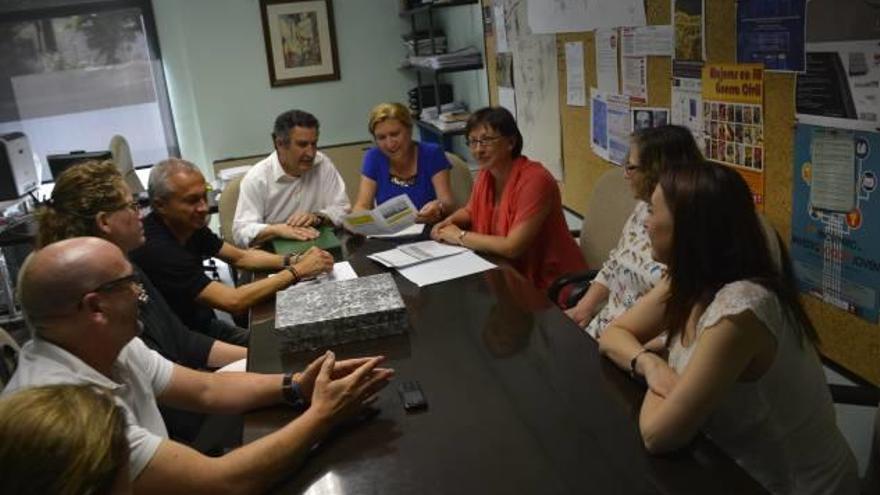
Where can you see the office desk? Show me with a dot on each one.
(520, 401)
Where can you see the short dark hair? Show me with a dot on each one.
(717, 239)
(285, 123)
(500, 120)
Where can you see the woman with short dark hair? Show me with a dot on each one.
(515, 209)
(742, 363)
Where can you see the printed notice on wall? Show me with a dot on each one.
(733, 96)
(833, 183)
(606, 60)
(835, 235)
(648, 40)
(687, 107)
(610, 127)
(574, 73)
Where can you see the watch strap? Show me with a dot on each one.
(291, 392)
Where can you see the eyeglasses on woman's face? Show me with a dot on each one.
(485, 141)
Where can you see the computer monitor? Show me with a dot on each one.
(18, 171)
(60, 163)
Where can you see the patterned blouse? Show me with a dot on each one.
(629, 272)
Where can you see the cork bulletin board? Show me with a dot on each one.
(845, 339)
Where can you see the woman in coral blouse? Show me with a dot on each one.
(515, 210)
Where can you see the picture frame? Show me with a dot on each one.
(300, 41)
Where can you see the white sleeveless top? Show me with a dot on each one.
(780, 428)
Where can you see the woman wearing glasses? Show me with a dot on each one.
(630, 272)
(515, 210)
(398, 165)
(742, 363)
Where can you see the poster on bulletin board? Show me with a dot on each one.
(733, 121)
(835, 233)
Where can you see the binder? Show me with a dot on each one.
(326, 241)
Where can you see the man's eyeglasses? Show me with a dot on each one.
(133, 279)
(131, 205)
(486, 141)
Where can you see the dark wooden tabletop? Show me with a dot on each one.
(520, 401)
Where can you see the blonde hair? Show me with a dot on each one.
(62, 439)
(80, 193)
(386, 111)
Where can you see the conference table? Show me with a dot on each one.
(519, 401)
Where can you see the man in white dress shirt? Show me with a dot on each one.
(293, 190)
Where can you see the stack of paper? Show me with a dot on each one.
(417, 252)
(430, 262)
(459, 58)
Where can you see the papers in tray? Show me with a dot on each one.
(417, 252)
(390, 217)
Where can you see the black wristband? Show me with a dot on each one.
(286, 260)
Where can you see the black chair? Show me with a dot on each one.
(864, 395)
(610, 205)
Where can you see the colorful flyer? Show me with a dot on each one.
(835, 236)
(733, 121)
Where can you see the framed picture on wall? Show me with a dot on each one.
(300, 41)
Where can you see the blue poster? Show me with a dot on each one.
(771, 32)
(835, 219)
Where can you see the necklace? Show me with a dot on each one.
(403, 181)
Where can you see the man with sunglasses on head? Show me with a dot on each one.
(80, 297)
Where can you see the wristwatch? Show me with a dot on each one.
(291, 392)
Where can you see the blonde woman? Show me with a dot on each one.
(63, 439)
(398, 165)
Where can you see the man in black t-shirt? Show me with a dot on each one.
(178, 241)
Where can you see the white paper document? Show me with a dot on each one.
(635, 78)
(413, 230)
(448, 268)
(341, 271)
(647, 40)
(501, 45)
(566, 16)
(417, 252)
(574, 71)
(833, 176)
(390, 217)
(607, 44)
(687, 105)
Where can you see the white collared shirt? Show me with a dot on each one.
(139, 375)
(269, 196)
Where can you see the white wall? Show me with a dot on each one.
(215, 62)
